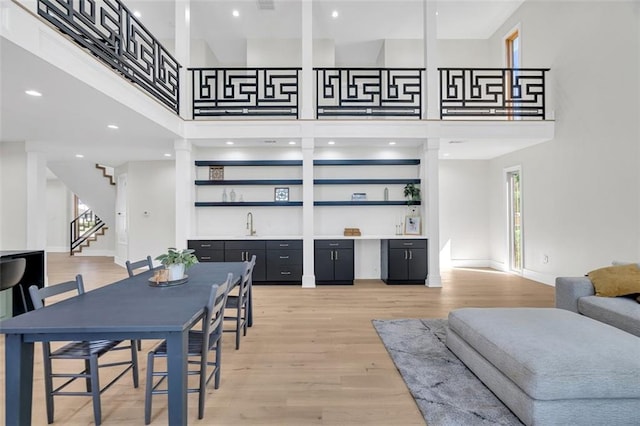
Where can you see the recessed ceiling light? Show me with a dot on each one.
(331, 143)
(113, 126)
(292, 142)
(33, 93)
(79, 156)
(392, 143)
(137, 13)
(334, 14)
(235, 13)
(229, 142)
(167, 154)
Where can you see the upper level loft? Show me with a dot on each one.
(227, 73)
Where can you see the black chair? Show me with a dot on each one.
(144, 263)
(89, 352)
(240, 303)
(201, 342)
(11, 272)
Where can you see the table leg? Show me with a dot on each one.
(18, 380)
(177, 345)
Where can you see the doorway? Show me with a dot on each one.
(514, 219)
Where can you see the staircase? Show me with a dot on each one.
(85, 229)
(107, 172)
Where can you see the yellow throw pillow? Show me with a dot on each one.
(615, 281)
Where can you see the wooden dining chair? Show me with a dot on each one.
(239, 304)
(11, 272)
(89, 352)
(144, 263)
(201, 342)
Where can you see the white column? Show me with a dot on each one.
(307, 85)
(431, 61)
(185, 192)
(36, 200)
(431, 209)
(308, 278)
(182, 41)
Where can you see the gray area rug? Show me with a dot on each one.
(446, 391)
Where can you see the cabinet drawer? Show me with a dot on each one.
(404, 244)
(333, 244)
(209, 255)
(244, 245)
(205, 244)
(284, 273)
(284, 257)
(284, 245)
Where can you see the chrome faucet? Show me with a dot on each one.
(250, 224)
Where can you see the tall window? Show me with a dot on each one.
(514, 207)
(512, 60)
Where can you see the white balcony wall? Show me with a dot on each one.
(467, 54)
(274, 53)
(13, 196)
(403, 54)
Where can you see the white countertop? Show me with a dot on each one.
(315, 237)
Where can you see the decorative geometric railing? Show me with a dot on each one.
(110, 31)
(492, 92)
(353, 92)
(245, 92)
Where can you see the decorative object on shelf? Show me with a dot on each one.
(216, 172)
(232, 195)
(412, 194)
(281, 195)
(177, 261)
(359, 196)
(241, 199)
(224, 195)
(412, 225)
(352, 232)
(386, 194)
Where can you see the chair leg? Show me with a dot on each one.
(202, 391)
(88, 371)
(238, 329)
(48, 383)
(95, 390)
(134, 362)
(216, 383)
(148, 389)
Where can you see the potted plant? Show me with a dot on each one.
(177, 261)
(412, 193)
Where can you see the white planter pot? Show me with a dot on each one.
(176, 272)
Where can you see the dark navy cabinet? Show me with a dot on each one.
(403, 261)
(333, 261)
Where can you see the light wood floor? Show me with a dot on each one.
(311, 358)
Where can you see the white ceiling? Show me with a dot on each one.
(72, 117)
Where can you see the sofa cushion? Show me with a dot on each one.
(620, 312)
(614, 281)
(553, 353)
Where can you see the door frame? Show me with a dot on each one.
(507, 172)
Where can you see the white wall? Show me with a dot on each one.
(150, 189)
(580, 190)
(13, 196)
(466, 53)
(274, 53)
(464, 213)
(201, 54)
(407, 53)
(59, 215)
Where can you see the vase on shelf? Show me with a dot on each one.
(386, 194)
(224, 195)
(232, 196)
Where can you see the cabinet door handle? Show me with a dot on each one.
(405, 255)
(244, 256)
(331, 254)
(284, 257)
(334, 244)
(285, 273)
(205, 257)
(336, 255)
(284, 245)
(410, 255)
(205, 245)
(407, 244)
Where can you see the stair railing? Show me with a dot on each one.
(82, 228)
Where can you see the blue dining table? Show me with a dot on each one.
(127, 309)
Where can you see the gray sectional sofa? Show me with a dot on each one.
(577, 294)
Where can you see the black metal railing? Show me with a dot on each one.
(492, 92)
(357, 92)
(82, 228)
(110, 32)
(245, 92)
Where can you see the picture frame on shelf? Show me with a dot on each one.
(216, 172)
(281, 195)
(412, 225)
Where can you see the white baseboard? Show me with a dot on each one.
(539, 277)
(470, 263)
(108, 253)
(54, 249)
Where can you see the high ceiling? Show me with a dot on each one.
(78, 124)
